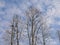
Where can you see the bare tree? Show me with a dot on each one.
(33, 16)
(14, 33)
(9, 34)
(16, 26)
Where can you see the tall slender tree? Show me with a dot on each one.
(17, 31)
(12, 32)
(32, 15)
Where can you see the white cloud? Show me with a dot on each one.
(2, 4)
(56, 3)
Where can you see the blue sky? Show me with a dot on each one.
(50, 7)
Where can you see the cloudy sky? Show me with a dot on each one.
(51, 8)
